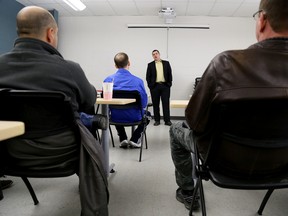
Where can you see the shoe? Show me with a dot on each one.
(6, 184)
(135, 145)
(169, 123)
(187, 199)
(124, 144)
(100, 122)
(157, 123)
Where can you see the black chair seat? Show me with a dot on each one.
(47, 173)
(125, 124)
(224, 181)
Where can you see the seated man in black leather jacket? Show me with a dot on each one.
(253, 72)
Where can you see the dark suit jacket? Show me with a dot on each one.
(151, 74)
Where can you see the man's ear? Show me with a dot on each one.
(263, 22)
(50, 35)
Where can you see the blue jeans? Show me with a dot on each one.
(86, 119)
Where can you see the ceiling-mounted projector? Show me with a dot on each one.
(166, 10)
(168, 14)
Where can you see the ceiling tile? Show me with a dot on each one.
(224, 9)
(100, 8)
(247, 9)
(238, 8)
(148, 8)
(124, 8)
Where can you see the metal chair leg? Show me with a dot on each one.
(98, 136)
(142, 139)
(198, 186)
(264, 201)
(111, 136)
(146, 139)
(141, 148)
(32, 193)
(1, 193)
(202, 197)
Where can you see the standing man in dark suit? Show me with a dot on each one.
(159, 80)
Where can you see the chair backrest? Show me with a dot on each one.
(127, 94)
(251, 139)
(44, 113)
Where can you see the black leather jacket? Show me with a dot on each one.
(259, 71)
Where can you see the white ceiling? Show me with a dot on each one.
(224, 8)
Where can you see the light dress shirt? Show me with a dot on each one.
(160, 71)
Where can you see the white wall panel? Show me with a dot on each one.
(93, 42)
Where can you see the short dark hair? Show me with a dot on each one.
(121, 60)
(277, 13)
(155, 50)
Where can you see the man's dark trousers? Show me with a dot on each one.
(161, 91)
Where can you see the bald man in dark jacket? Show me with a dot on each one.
(35, 64)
